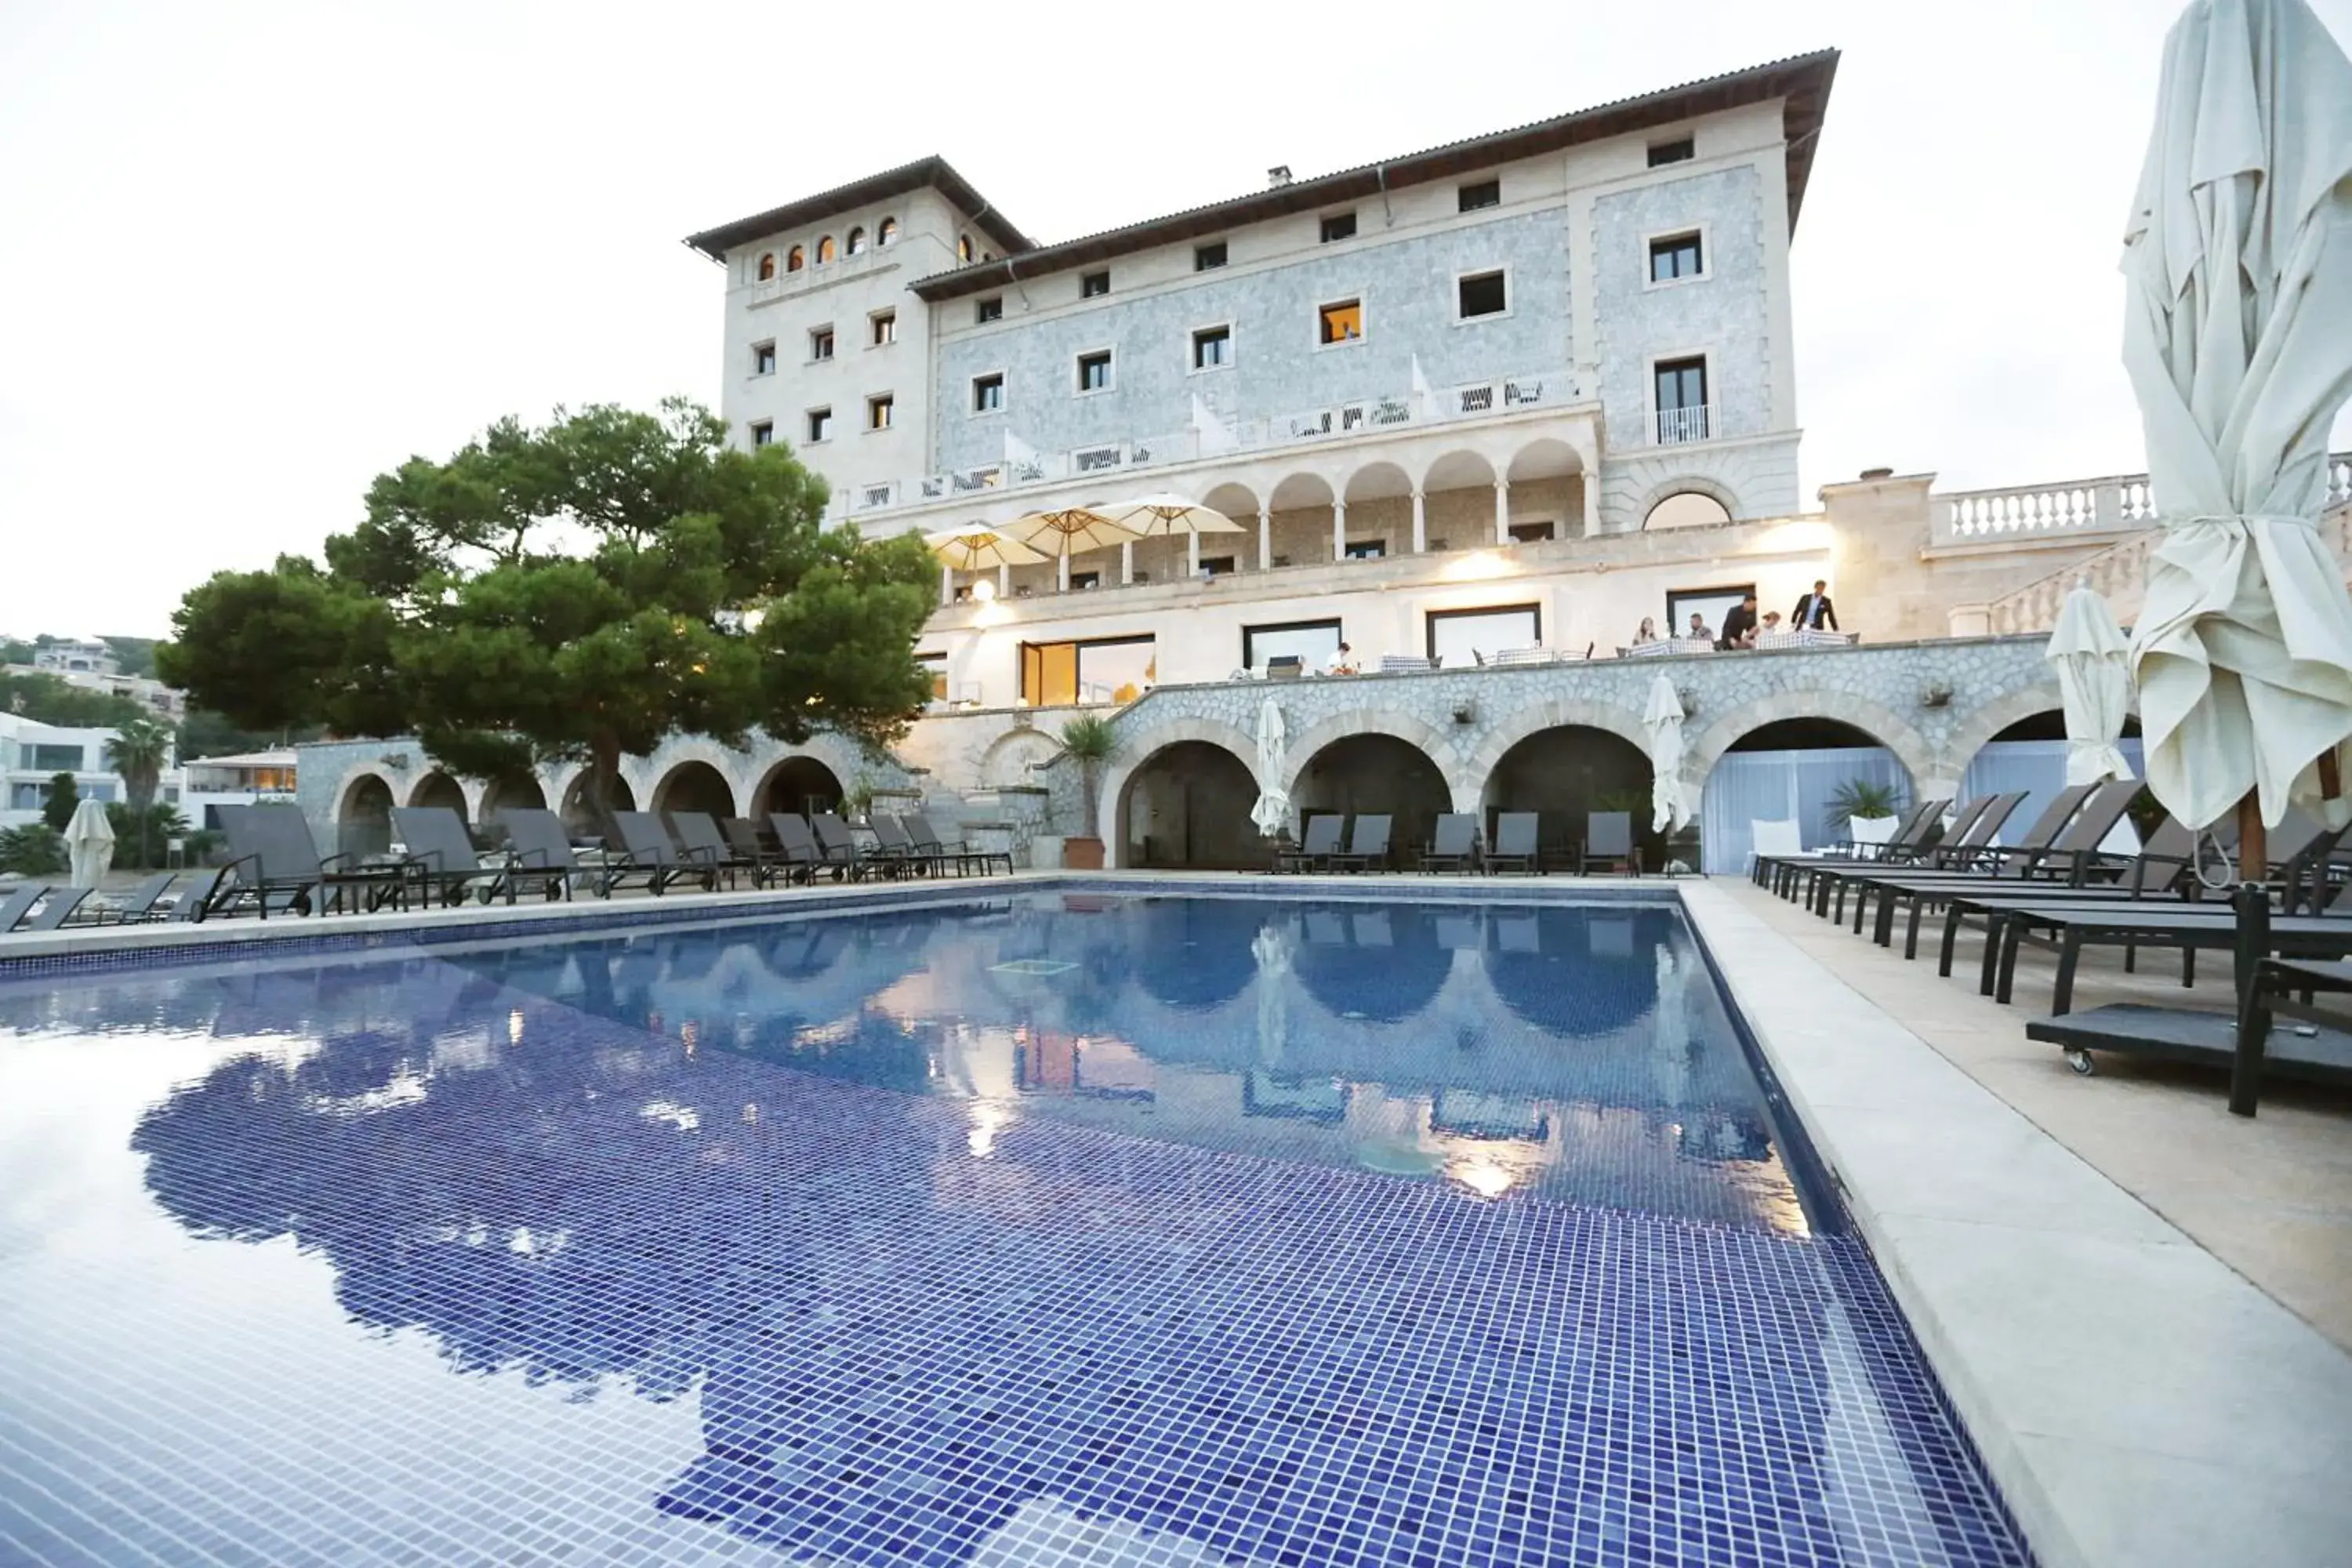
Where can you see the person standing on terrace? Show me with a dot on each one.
(1814, 610)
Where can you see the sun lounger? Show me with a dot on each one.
(841, 850)
(802, 855)
(701, 842)
(2071, 858)
(1794, 875)
(1313, 852)
(56, 909)
(2196, 1038)
(2069, 930)
(137, 906)
(193, 902)
(1831, 884)
(897, 851)
(649, 851)
(1367, 845)
(1453, 846)
(443, 852)
(1516, 844)
(751, 852)
(276, 866)
(17, 900)
(540, 846)
(1607, 841)
(965, 853)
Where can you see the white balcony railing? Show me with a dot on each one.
(2080, 508)
(1674, 426)
(1424, 407)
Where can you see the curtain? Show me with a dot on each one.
(1769, 786)
(2040, 768)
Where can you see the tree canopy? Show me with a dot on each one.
(46, 700)
(576, 590)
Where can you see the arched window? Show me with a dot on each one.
(795, 259)
(963, 249)
(887, 234)
(767, 265)
(1686, 509)
(857, 240)
(824, 250)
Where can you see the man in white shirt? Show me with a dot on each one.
(1342, 662)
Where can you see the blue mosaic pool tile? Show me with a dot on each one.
(606, 1295)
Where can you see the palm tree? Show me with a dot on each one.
(138, 752)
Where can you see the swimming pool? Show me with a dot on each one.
(1050, 1228)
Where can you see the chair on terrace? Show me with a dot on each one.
(647, 851)
(443, 852)
(1313, 852)
(1367, 845)
(803, 856)
(541, 845)
(1453, 846)
(1609, 841)
(1514, 847)
(276, 866)
(1771, 841)
(752, 853)
(699, 837)
(841, 850)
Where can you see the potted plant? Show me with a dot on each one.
(858, 800)
(1090, 740)
(1860, 800)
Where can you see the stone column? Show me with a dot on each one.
(1266, 536)
(1420, 522)
(1589, 486)
(947, 584)
(1062, 572)
(1005, 580)
(1192, 553)
(1126, 560)
(1502, 511)
(1339, 529)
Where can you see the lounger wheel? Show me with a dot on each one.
(2080, 1060)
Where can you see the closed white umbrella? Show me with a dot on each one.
(2093, 664)
(90, 843)
(2239, 257)
(1664, 720)
(1272, 812)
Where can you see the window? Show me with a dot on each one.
(1682, 400)
(987, 394)
(1686, 509)
(1312, 643)
(879, 409)
(820, 425)
(1339, 226)
(1216, 565)
(1094, 285)
(762, 432)
(1676, 152)
(1212, 255)
(1458, 637)
(989, 309)
(1342, 323)
(763, 358)
(1676, 255)
(1108, 670)
(883, 328)
(1213, 347)
(1531, 532)
(1367, 548)
(935, 665)
(887, 234)
(1094, 371)
(963, 249)
(795, 259)
(858, 240)
(52, 759)
(1481, 194)
(1483, 294)
(766, 265)
(1082, 581)
(1709, 605)
(820, 342)
(823, 250)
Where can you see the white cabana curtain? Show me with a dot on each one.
(1746, 787)
(2093, 666)
(1272, 812)
(2239, 257)
(1664, 720)
(2040, 769)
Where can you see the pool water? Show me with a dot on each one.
(1047, 1229)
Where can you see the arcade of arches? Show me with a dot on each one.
(1188, 804)
(579, 817)
(797, 786)
(695, 787)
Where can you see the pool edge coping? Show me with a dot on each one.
(2200, 1381)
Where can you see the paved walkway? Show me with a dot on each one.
(2270, 1197)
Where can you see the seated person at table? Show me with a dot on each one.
(1771, 624)
(1342, 662)
(1699, 630)
(1649, 632)
(1739, 624)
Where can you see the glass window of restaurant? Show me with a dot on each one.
(1107, 669)
(1459, 637)
(1312, 643)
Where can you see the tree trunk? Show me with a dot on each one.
(604, 768)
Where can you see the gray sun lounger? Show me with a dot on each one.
(802, 855)
(702, 842)
(443, 851)
(1367, 845)
(750, 853)
(541, 846)
(17, 900)
(1783, 873)
(276, 863)
(841, 850)
(1516, 844)
(1313, 852)
(137, 906)
(965, 852)
(58, 906)
(2071, 858)
(1825, 894)
(1607, 841)
(647, 851)
(899, 853)
(1453, 846)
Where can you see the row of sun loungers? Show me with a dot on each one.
(2055, 890)
(36, 906)
(1332, 843)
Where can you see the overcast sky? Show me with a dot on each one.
(251, 255)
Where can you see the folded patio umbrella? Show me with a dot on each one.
(2094, 664)
(90, 843)
(1664, 720)
(1272, 812)
(2239, 257)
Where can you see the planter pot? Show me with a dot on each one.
(1082, 854)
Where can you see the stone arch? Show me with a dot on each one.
(1373, 769)
(522, 793)
(1716, 490)
(363, 803)
(695, 784)
(1235, 499)
(1559, 713)
(438, 788)
(1464, 468)
(1427, 738)
(1566, 772)
(1990, 718)
(1195, 799)
(1137, 749)
(1881, 723)
(577, 818)
(1008, 758)
(1380, 480)
(797, 783)
(1302, 487)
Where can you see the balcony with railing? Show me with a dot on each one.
(2080, 511)
(1401, 413)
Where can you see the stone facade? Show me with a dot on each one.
(1723, 314)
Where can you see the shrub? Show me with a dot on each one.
(37, 851)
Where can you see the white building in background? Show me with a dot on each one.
(1424, 387)
(93, 667)
(33, 754)
(207, 783)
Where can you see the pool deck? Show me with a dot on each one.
(2140, 1306)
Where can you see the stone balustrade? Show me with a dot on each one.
(2067, 512)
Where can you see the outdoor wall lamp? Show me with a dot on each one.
(1468, 714)
(1936, 696)
(1689, 696)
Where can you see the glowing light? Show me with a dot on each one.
(514, 1027)
(1477, 566)
(752, 617)
(983, 590)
